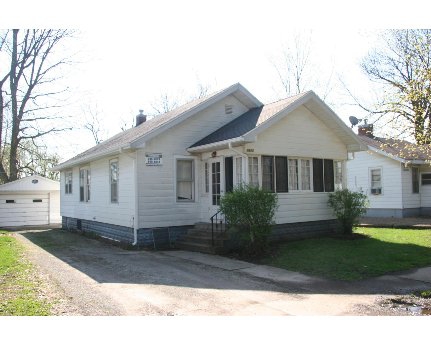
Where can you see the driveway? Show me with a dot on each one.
(96, 278)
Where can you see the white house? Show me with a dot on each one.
(30, 201)
(394, 174)
(169, 173)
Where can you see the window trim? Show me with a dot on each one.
(371, 182)
(114, 160)
(193, 181)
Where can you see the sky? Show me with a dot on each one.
(127, 54)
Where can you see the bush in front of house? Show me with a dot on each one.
(250, 211)
(348, 207)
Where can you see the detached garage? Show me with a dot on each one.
(30, 201)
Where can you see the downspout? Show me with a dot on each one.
(136, 216)
(242, 155)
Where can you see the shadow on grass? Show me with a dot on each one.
(110, 264)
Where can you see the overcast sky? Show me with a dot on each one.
(130, 52)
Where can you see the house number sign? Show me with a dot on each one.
(153, 159)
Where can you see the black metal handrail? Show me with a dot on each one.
(219, 219)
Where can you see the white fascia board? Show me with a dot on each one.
(383, 153)
(217, 145)
(175, 121)
(90, 158)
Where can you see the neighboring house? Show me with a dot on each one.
(30, 201)
(394, 174)
(169, 173)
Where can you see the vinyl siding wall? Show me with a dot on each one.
(157, 184)
(100, 208)
(358, 179)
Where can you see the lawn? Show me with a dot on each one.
(18, 284)
(380, 251)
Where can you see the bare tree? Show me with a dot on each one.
(93, 124)
(402, 68)
(28, 99)
(296, 69)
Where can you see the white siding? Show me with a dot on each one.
(54, 207)
(300, 134)
(100, 208)
(156, 184)
(358, 179)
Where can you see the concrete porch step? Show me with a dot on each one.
(199, 239)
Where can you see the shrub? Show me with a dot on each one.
(348, 206)
(250, 211)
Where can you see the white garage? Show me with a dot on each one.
(30, 201)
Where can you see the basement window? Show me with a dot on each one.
(37, 200)
(10, 201)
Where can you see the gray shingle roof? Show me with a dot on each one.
(125, 138)
(248, 121)
(398, 148)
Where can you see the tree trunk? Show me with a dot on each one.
(13, 162)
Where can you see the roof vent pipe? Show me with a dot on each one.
(141, 118)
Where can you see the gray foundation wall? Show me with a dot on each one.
(162, 238)
(156, 238)
(398, 213)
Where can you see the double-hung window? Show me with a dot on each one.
(84, 184)
(238, 171)
(299, 174)
(415, 180)
(113, 179)
(68, 182)
(376, 181)
(253, 171)
(185, 180)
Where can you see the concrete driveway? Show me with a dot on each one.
(100, 279)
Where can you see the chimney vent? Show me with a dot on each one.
(141, 118)
(366, 130)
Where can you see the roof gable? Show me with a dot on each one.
(246, 127)
(27, 184)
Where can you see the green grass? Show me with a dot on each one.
(382, 251)
(18, 287)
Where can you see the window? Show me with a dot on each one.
(376, 181)
(37, 200)
(338, 175)
(10, 201)
(323, 175)
(68, 182)
(299, 174)
(185, 180)
(253, 171)
(426, 179)
(84, 184)
(415, 180)
(268, 173)
(207, 178)
(238, 171)
(274, 174)
(113, 179)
